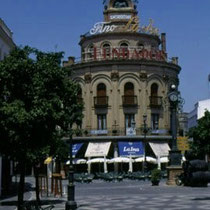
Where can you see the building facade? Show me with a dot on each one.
(6, 41)
(124, 74)
(6, 44)
(182, 123)
(198, 112)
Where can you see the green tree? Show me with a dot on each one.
(201, 137)
(38, 105)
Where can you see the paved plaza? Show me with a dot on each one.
(128, 195)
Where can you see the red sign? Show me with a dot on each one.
(128, 54)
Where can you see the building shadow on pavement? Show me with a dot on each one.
(201, 199)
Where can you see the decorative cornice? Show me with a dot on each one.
(143, 76)
(166, 77)
(114, 76)
(6, 38)
(127, 62)
(136, 34)
(88, 78)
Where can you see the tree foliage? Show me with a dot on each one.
(38, 103)
(201, 136)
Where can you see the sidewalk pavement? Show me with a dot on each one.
(125, 195)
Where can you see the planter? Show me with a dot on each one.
(155, 177)
(155, 182)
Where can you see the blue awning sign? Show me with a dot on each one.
(130, 148)
(76, 148)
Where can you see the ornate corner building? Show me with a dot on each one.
(124, 73)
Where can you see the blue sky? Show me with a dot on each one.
(51, 25)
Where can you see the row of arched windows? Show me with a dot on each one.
(107, 48)
(129, 98)
(128, 89)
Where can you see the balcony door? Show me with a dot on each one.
(154, 94)
(101, 94)
(129, 93)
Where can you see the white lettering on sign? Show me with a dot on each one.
(102, 27)
(114, 17)
(130, 149)
(95, 132)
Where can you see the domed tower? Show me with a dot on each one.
(124, 74)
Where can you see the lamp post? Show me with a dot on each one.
(145, 130)
(174, 99)
(174, 168)
(71, 203)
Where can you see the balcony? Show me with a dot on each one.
(155, 101)
(101, 102)
(129, 101)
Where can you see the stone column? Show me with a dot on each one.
(114, 99)
(89, 166)
(88, 99)
(143, 78)
(115, 155)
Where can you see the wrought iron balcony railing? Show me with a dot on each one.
(121, 132)
(101, 101)
(155, 101)
(129, 100)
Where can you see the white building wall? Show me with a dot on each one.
(203, 106)
(4, 49)
(198, 112)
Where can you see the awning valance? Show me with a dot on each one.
(97, 149)
(130, 149)
(160, 149)
(76, 148)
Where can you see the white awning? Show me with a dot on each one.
(97, 149)
(160, 149)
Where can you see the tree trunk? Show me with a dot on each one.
(36, 172)
(21, 185)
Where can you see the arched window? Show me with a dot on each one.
(154, 89)
(101, 90)
(129, 89)
(129, 98)
(83, 54)
(79, 95)
(120, 4)
(106, 50)
(101, 99)
(90, 52)
(153, 49)
(155, 100)
(124, 49)
(140, 46)
(124, 45)
(80, 92)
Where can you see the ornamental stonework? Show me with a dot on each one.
(143, 76)
(114, 76)
(88, 78)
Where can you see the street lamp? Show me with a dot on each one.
(71, 203)
(145, 130)
(174, 99)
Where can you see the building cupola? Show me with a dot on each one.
(119, 11)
